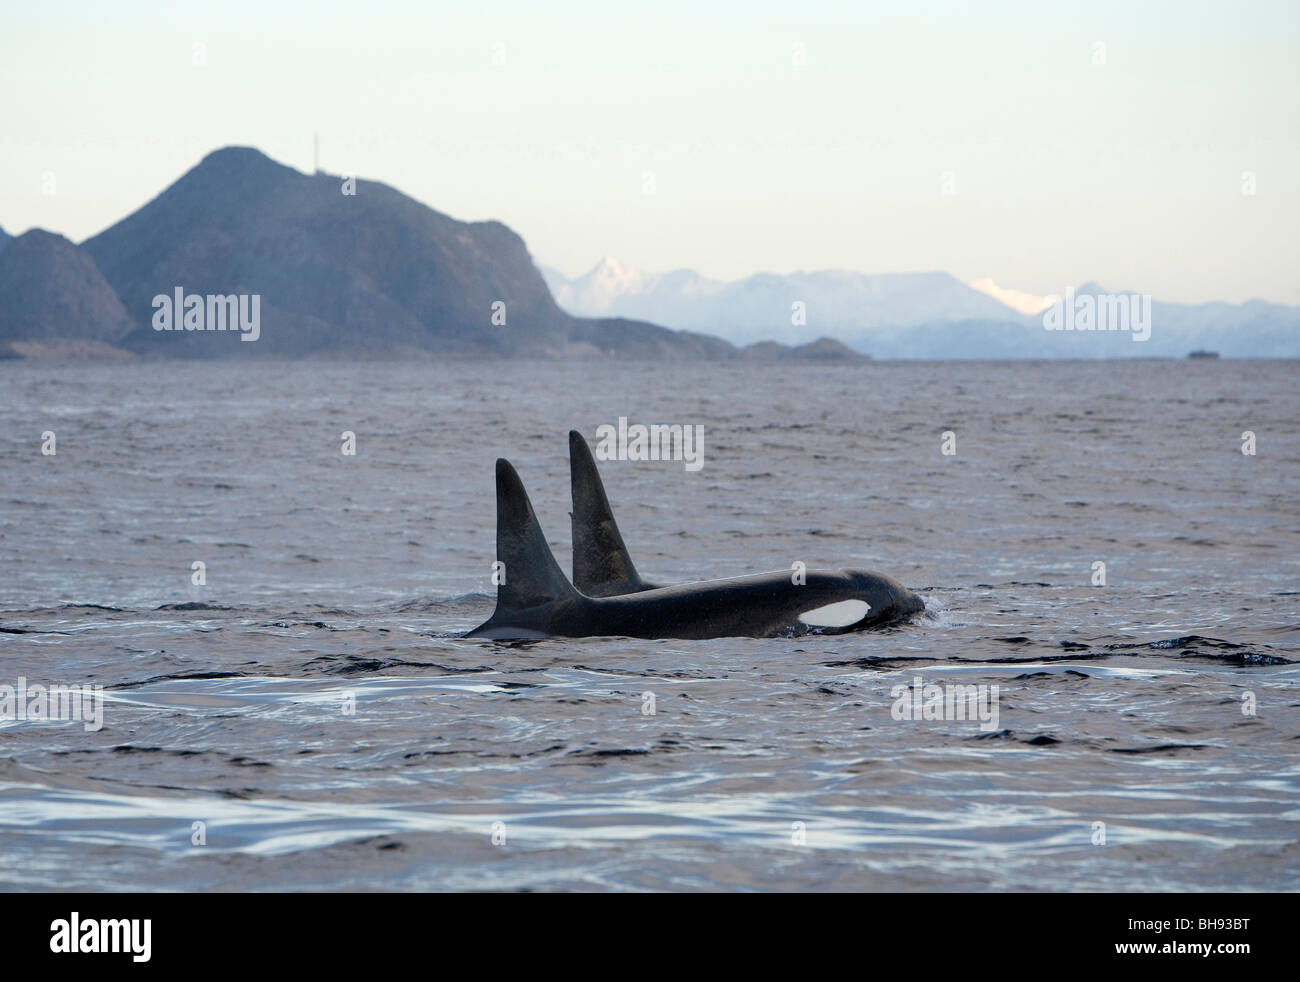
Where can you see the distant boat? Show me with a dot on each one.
(1202, 353)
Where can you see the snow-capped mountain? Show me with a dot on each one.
(596, 290)
(1018, 300)
(913, 315)
(794, 308)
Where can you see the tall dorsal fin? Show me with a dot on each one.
(601, 564)
(532, 576)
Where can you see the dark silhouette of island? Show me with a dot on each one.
(823, 349)
(55, 301)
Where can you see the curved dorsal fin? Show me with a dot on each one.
(532, 576)
(601, 564)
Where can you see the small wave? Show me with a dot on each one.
(1211, 649)
(1161, 748)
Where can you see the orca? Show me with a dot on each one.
(602, 566)
(536, 600)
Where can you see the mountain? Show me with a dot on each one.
(374, 273)
(625, 338)
(593, 294)
(761, 307)
(53, 299)
(377, 274)
(1250, 330)
(4, 238)
(917, 315)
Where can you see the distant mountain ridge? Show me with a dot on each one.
(761, 307)
(377, 274)
(914, 315)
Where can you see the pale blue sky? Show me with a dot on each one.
(1128, 173)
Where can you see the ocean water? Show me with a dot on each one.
(315, 708)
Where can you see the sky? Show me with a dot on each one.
(1151, 147)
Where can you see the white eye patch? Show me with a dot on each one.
(840, 614)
